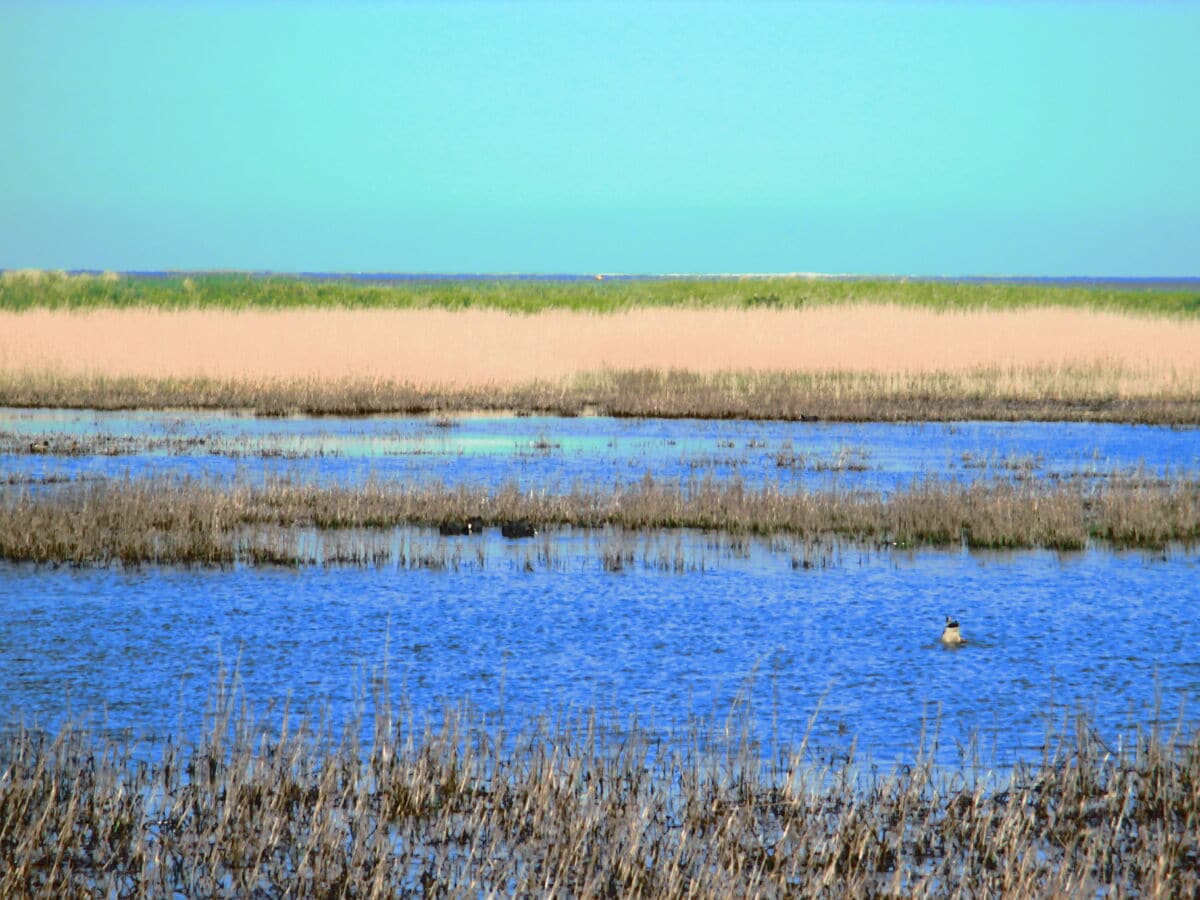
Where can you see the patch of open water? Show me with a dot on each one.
(593, 451)
(856, 644)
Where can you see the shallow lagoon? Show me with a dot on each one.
(555, 453)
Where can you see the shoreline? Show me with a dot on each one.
(1139, 282)
(1093, 393)
(772, 357)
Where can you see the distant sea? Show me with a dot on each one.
(1188, 283)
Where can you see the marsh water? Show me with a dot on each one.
(555, 453)
(845, 650)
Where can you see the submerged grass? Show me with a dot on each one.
(585, 807)
(1100, 392)
(23, 290)
(199, 522)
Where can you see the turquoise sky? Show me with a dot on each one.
(868, 137)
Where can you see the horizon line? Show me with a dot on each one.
(416, 275)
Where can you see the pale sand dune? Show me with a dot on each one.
(479, 347)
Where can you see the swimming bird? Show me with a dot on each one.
(518, 529)
(950, 634)
(473, 525)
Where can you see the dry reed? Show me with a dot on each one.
(159, 520)
(1097, 392)
(585, 807)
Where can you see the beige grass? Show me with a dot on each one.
(1096, 392)
(480, 347)
(162, 520)
(587, 805)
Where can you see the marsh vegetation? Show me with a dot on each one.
(584, 805)
(23, 290)
(1102, 392)
(160, 520)
(595, 804)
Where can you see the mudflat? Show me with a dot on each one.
(478, 347)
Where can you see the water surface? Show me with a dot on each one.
(555, 453)
(689, 624)
(854, 644)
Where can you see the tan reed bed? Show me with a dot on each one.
(586, 807)
(1099, 392)
(478, 347)
(199, 522)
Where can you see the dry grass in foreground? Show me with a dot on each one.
(582, 809)
(1101, 392)
(195, 522)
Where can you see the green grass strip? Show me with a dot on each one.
(55, 290)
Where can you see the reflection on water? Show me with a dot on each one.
(1114, 634)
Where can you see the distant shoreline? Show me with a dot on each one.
(771, 348)
(1116, 282)
(22, 290)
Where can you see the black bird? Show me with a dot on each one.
(518, 529)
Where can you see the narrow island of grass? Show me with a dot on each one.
(157, 520)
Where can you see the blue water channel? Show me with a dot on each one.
(688, 625)
(854, 645)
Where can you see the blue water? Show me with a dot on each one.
(854, 645)
(530, 628)
(554, 453)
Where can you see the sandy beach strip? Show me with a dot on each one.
(477, 347)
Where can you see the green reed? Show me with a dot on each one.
(57, 290)
(585, 806)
